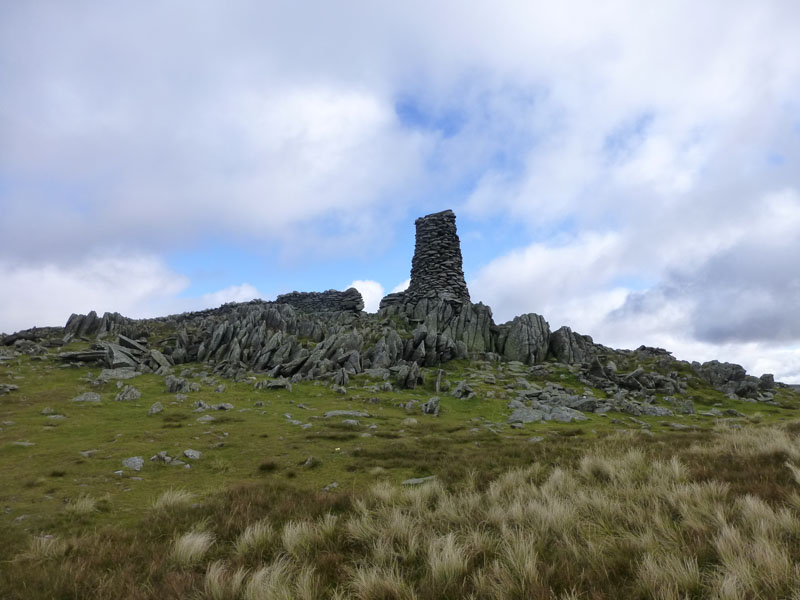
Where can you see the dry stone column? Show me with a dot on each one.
(436, 269)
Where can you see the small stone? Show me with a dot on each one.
(88, 453)
(47, 411)
(134, 462)
(330, 486)
(87, 397)
(345, 413)
(156, 408)
(418, 480)
(192, 454)
(127, 394)
(350, 423)
(205, 419)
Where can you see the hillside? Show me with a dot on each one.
(305, 449)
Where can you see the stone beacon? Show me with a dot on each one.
(436, 269)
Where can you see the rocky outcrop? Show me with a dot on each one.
(349, 300)
(327, 336)
(569, 347)
(526, 339)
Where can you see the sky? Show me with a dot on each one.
(626, 168)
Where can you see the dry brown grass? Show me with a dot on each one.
(627, 520)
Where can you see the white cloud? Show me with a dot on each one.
(371, 292)
(641, 142)
(45, 295)
(235, 293)
(402, 286)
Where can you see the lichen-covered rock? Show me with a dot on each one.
(525, 339)
(128, 394)
(569, 347)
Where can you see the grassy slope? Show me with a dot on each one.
(252, 464)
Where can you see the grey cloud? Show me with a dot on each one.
(747, 293)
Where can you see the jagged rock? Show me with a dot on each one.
(767, 381)
(463, 391)
(117, 356)
(408, 376)
(431, 407)
(341, 377)
(160, 359)
(525, 339)
(176, 384)
(719, 373)
(569, 347)
(127, 394)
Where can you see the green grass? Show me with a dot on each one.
(59, 502)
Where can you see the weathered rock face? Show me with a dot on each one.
(526, 339)
(436, 269)
(349, 300)
(570, 347)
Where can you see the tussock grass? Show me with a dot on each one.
(45, 547)
(172, 498)
(256, 538)
(189, 548)
(713, 515)
(82, 506)
(222, 584)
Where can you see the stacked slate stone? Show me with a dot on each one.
(349, 300)
(436, 269)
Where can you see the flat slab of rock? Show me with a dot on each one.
(193, 454)
(121, 373)
(87, 397)
(419, 480)
(525, 414)
(345, 413)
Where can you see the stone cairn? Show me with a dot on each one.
(349, 300)
(436, 269)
